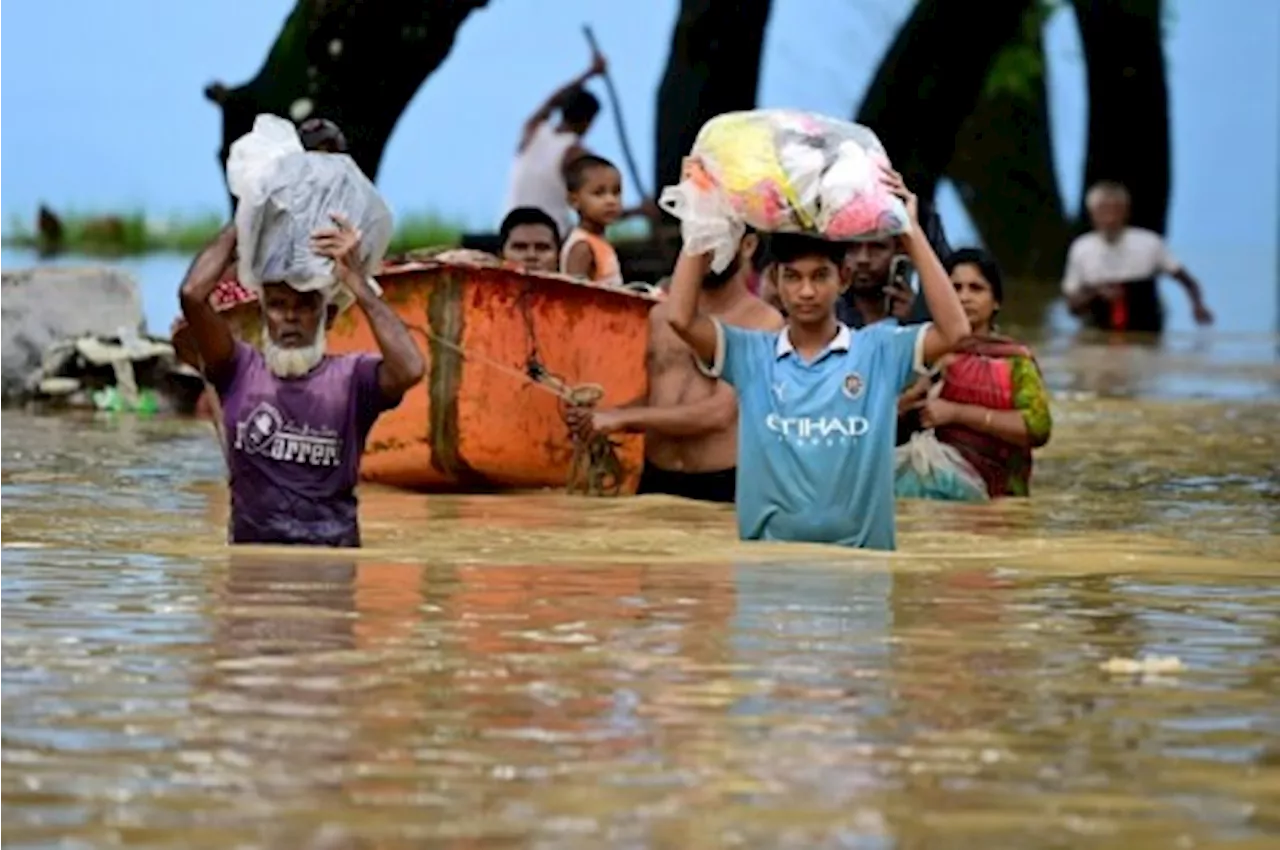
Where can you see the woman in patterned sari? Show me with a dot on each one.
(993, 407)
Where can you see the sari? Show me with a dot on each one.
(998, 373)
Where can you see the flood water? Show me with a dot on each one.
(540, 671)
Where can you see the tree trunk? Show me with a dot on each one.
(1128, 138)
(931, 79)
(713, 67)
(1003, 165)
(356, 62)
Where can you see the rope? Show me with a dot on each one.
(511, 371)
(594, 468)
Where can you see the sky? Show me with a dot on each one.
(106, 112)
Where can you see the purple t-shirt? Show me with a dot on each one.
(295, 446)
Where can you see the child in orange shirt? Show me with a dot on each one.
(595, 192)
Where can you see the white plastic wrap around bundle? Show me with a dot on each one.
(707, 223)
(782, 171)
(284, 194)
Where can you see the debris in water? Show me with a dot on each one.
(1149, 664)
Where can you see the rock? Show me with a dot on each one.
(41, 306)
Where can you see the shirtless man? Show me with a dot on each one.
(689, 420)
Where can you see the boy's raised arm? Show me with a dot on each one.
(698, 331)
(950, 325)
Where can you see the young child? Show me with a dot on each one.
(595, 192)
(817, 401)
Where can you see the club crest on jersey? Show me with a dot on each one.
(853, 385)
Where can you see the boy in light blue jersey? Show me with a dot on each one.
(817, 401)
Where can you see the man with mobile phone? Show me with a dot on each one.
(882, 280)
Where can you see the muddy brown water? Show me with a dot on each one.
(539, 671)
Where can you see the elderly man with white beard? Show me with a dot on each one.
(296, 418)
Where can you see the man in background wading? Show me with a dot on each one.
(1112, 272)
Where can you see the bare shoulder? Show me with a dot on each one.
(661, 336)
(758, 315)
(579, 260)
(658, 313)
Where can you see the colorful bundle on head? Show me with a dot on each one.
(783, 171)
(740, 157)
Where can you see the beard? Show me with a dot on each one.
(717, 280)
(869, 286)
(293, 362)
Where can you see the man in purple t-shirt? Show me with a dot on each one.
(296, 419)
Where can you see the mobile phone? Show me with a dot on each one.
(902, 275)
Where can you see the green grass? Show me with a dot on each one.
(123, 234)
(424, 230)
(119, 234)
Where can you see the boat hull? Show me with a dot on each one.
(478, 423)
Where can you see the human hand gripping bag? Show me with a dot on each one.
(782, 171)
(284, 194)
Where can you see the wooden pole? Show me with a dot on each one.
(617, 117)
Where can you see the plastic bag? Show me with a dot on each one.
(285, 194)
(782, 171)
(252, 155)
(929, 469)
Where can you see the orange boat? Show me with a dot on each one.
(480, 422)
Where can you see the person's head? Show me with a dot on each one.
(979, 286)
(578, 109)
(293, 329)
(740, 266)
(595, 189)
(531, 239)
(320, 134)
(869, 262)
(1108, 205)
(809, 275)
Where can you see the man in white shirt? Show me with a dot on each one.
(546, 147)
(1111, 274)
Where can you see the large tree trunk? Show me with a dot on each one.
(714, 67)
(1003, 164)
(1128, 136)
(356, 62)
(932, 78)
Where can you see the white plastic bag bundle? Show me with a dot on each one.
(782, 171)
(284, 194)
(929, 469)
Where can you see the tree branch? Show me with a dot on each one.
(931, 79)
(356, 62)
(1128, 137)
(1003, 165)
(713, 67)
